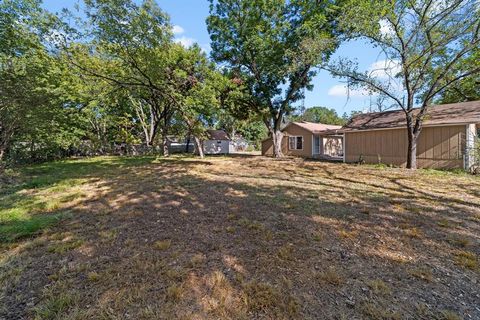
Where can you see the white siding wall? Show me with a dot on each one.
(471, 133)
(216, 146)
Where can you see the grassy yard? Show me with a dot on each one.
(237, 238)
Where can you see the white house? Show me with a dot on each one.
(218, 142)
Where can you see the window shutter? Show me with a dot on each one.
(291, 143)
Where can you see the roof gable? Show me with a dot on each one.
(217, 135)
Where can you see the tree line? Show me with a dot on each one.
(113, 73)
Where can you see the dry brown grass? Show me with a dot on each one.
(377, 312)
(413, 233)
(449, 315)
(238, 238)
(331, 276)
(264, 298)
(466, 259)
(162, 244)
(379, 287)
(422, 272)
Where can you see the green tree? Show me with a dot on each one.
(128, 46)
(274, 48)
(425, 44)
(24, 68)
(467, 89)
(319, 115)
(197, 91)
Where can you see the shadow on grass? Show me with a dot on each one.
(182, 238)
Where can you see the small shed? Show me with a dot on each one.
(445, 142)
(218, 142)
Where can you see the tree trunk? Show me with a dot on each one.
(188, 144)
(199, 147)
(165, 151)
(2, 153)
(412, 150)
(277, 137)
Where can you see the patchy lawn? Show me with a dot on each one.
(237, 238)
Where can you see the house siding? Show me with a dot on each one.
(291, 130)
(438, 147)
(216, 146)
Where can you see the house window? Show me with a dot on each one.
(295, 143)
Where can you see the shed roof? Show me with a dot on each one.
(446, 114)
(217, 135)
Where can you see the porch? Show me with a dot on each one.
(328, 147)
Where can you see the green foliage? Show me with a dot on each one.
(467, 89)
(319, 115)
(34, 122)
(273, 48)
(426, 46)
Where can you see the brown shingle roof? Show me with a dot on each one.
(315, 127)
(455, 113)
(217, 135)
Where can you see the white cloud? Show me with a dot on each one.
(341, 90)
(177, 29)
(386, 28)
(185, 41)
(384, 69)
(206, 48)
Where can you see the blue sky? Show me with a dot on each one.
(189, 18)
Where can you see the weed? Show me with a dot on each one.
(285, 252)
(466, 259)
(262, 297)
(256, 226)
(348, 234)
(331, 276)
(174, 293)
(268, 235)
(55, 306)
(379, 287)
(444, 223)
(377, 312)
(175, 274)
(64, 246)
(423, 273)
(162, 244)
(459, 242)
(449, 315)
(93, 276)
(197, 260)
(109, 235)
(317, 237)
(413, 233)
